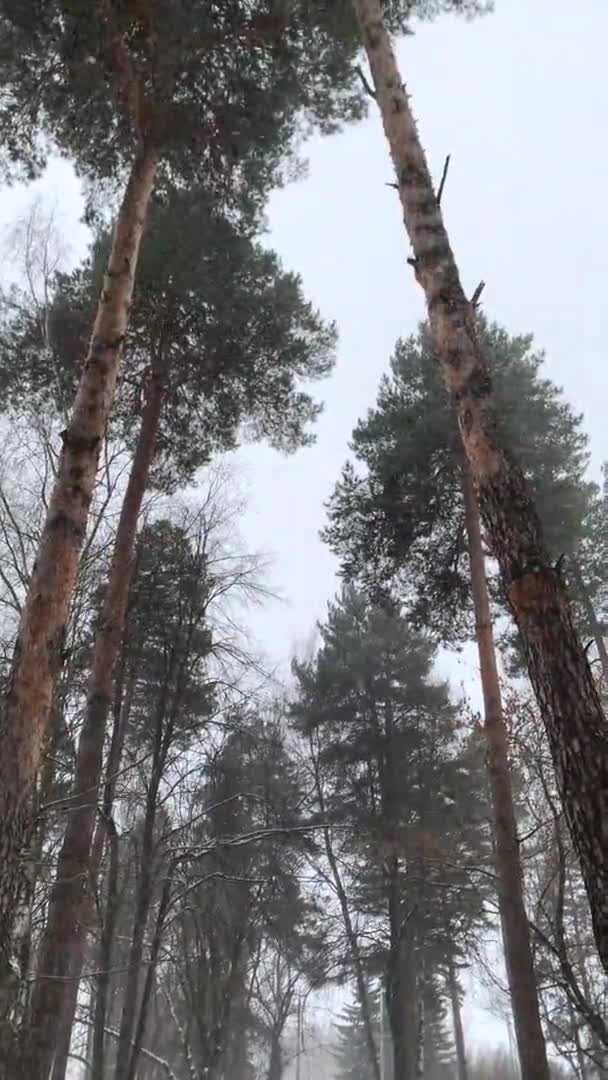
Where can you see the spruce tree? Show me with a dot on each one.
(351, 1050)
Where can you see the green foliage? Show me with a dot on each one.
(226, 329)
(351, 1052)
(168, 638)
(403, 779)
(397, 525)
(223, 88)
(438, 1047)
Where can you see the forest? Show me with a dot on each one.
(212, 868)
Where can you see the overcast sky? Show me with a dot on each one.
(518, 100)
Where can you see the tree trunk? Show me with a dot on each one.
(420, 1036)
(38, 655)
(63, 1038)
(121, 714)
(515, 926)
(104, 956)
(143, 893)
(275, 1065)
(594, 625)
(461, 1055)
(146, 996)
(68, 903)
(349, 930)
(559, 671)
(355, 955)
(401, 986)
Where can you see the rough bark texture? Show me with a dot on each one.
(514, 920)
(39, 647)
(65, 930)
(461, 1054)
(558, 667)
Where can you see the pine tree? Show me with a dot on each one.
(557, 664)
(205, 372)
(416, 497)
(178, 95)
(400, 784)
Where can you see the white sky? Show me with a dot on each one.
(519, 101)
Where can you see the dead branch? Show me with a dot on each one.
(365, 81)
(443, 179)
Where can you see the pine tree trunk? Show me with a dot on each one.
(559, 671)
(516, 930)
(461, 1055)
(38, 652)
(65, 929)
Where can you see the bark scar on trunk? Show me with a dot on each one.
(533, 590)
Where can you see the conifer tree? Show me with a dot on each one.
(405, 791)
(558, 666)
(207, 373)
(167, 96)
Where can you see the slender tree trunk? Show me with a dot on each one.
(104, 956)
(38, 655)
(461, 1055)
(63, 1037)
(146, 997)
(351, 937)
(420, 1036)
(515, 926)
(121, 714)
(594, 625)
(355, 955)
(143, 896)
(559, 671)
(64, 929)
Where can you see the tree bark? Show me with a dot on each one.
(514, 919)
(65, 928)
(38, 655)
(559, 671)
(461, 1054)
(401, 985)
